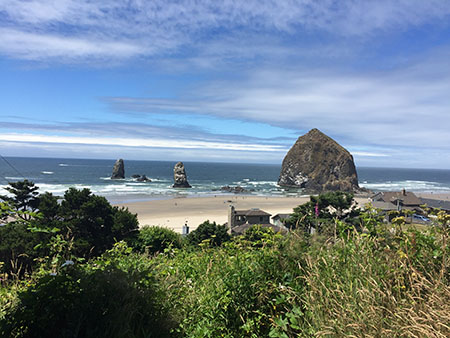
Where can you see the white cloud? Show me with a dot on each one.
(161, 27)
(368, 154)
(43, 46)
(403, 108)
(135, 142)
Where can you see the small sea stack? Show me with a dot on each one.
(318, 163)
(180, 177)
(140, 178)
(118, 170)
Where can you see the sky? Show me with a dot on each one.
(225, 81)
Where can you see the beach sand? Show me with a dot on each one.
(436, 196)
(174, 213)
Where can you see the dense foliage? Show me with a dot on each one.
(153, 239)
(94, 300)
(321, 210)
(88, 221)
(377, 279)
(209, 233)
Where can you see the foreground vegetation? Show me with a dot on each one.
(355, 277)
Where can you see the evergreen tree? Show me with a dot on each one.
(25, 198)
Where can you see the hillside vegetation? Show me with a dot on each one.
(355, 277)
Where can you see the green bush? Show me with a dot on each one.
(93, 222)
(259, 236)
(209, 232)
(18, 250)
(95, 300)
(155, 239)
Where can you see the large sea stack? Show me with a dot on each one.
(179, 176)
(118, 170)
(318, 163)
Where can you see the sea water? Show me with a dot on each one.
(57, 175)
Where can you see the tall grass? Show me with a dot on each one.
(360, 289)
(388, 285)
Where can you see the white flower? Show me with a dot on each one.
(69, 262)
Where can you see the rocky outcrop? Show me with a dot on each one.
(118, 170)
(236, 190)
(141, 178)
(180, 177)
(318, 163)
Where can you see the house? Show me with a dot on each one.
(279, 219)
(241, 220)
(396, 200)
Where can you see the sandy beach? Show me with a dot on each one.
(435, 196)
(174, 213)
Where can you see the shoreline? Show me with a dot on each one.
(174, 212)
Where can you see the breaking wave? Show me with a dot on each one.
(418, 186)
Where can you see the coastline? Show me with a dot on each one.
(174, 213)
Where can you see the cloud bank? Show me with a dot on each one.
(403, 108)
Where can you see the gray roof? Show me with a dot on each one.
(251, 212)
(281, 216)
(407, 198)
(384, 205)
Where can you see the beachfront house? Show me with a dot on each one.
(279, 219)
(396, 200)
(241, 220)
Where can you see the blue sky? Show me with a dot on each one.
(228, 81)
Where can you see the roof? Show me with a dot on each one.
(240, 229)
(281, 216)
(384, 205)
(407, 198)
(434, 203)
(251, 212)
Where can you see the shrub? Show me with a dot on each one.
(213, 233)
(18, 248)
(155, 239)
(99, 300)
(258, 235)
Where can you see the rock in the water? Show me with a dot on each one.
(179, 176)
(318, 163)
(140, 178)
(118, 170)
(237, 189)
(143, 178)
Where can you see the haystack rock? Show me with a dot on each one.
(118, 170)
(179, 176)
(318, 163)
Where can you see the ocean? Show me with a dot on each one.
(57, 175)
